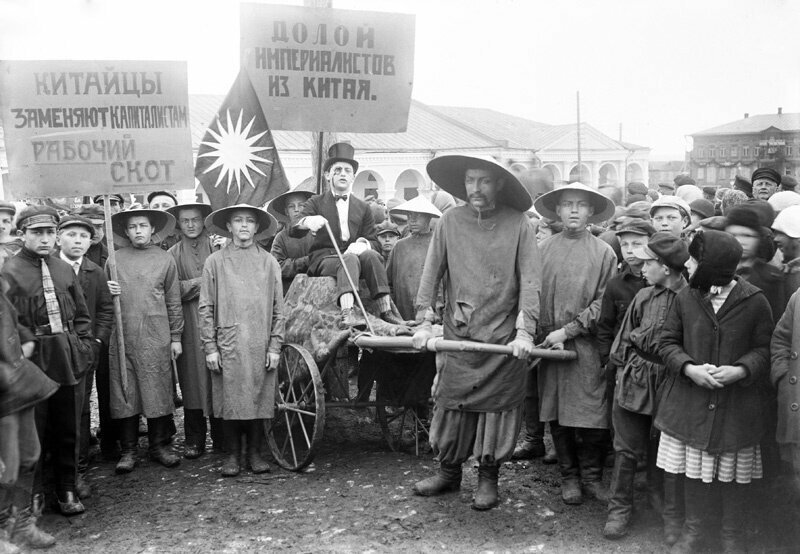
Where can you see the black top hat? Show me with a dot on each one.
(341, 152)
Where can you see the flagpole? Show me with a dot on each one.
(318, 152)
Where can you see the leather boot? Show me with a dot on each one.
(620, 501)
(25, 532)
(486, 497)
(6, 522)
(129, 440)
(159, 436)
(233, 445)
(674, 503)
(82, 487)
(591, 458)
(564, 443)
(734, 505)
(447, 479)
(699, 506)
(255, 440)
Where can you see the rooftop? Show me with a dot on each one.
(756, 124)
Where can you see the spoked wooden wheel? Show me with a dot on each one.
(403, 428)
(296, 428)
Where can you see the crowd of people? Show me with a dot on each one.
(681, 305)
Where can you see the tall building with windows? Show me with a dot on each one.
(742, 146)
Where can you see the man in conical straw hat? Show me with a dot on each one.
(572, 394)
(152, 325)
(242, 325)
(484, 254)
(407, 259)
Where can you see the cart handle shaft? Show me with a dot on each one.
(441, 345)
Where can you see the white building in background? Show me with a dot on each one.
(392, 165)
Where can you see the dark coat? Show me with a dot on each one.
(785, 372)
(733, 417)
(361, 225)
(619, 293)
(98, 253)
(64, 357)
(771, 281)
(22, 384)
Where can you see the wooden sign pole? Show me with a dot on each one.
(112, 270)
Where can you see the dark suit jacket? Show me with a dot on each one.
(361, 225)
(99, 301)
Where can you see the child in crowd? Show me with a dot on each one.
(715, 345)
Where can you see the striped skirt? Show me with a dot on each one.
(675, 456)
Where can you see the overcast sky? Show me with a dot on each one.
(662, 69)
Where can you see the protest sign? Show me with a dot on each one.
(95, 127)
(320, 69)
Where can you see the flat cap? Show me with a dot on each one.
(33, 217)
(636, 187)
(683, 179)
(8, 207)
(90, 211)
(635, 226)
(118, 197)
(76, 220)
(788, 182)
(702, 207)
(665, 247)
(766, 173)
(387, 227)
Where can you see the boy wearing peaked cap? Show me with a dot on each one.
(388, 234)
(47, 294)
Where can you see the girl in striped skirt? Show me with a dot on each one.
(711, 415)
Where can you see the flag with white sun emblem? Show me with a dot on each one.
(237, 161)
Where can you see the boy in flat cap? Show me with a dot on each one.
(242, 326)
(98, 251)
(670, 214)
(353, 227)
(190, 255)
(292, 254)
(640, 374)
(47, 294)
(765, 182)
(152, 325)
(74, 238)
(116, 201)
(572, 394)
(485, 256)
(388, 234)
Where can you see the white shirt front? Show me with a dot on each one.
(74, 264)
(343, 208)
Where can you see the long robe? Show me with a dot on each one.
(292, 255)
(193, 375)
(241, 317)
(491, 272)
(151, 319)
(404, 270)
(575, 270)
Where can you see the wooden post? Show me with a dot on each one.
(318, 139)
(112, 270)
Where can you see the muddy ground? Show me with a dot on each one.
(356, 497)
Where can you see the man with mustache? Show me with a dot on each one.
(353, 226)
(765, 183)
(485, 256)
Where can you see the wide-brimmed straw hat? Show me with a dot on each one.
(163, 224)
(205, 209)
(277, 206)
(417, 205)
(603, 206)
(217, 222)
(448, 173)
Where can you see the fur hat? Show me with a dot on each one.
(717, 254)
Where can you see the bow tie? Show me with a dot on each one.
(340, 197)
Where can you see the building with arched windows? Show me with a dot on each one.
(392, 165)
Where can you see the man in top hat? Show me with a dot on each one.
(787, 236)
(485, 256)
(670, 214)
(116, 201)
(291, 253)
(152, 324)
(242, 325)
(388, 234)
(353, 227)
(74, 237)
(10, 243)
(407, 259)
(47, 294)
(98, 251)
(190, 254)
(572, 394)
(765, 182)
